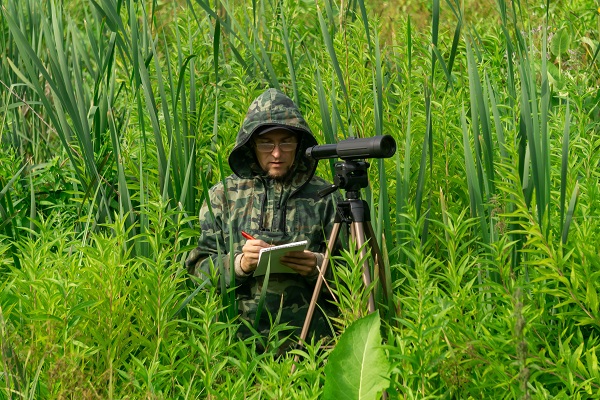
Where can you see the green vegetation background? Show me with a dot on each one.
(116, 116)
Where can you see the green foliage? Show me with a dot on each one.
(358, 367)
(117, 116)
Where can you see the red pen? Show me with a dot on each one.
(248, 236)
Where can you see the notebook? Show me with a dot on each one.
(273, 254)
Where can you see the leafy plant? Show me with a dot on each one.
(358, 367)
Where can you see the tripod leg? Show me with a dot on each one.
(358, 232)
(376, 253)
(369, 235)
(313, 302)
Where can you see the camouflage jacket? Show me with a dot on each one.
(273, 210)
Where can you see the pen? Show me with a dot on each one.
(248, 236)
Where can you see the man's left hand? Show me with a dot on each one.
(303, 262)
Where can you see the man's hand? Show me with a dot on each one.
(303, 262)
(250, 253)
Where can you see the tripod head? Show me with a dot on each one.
(350, 175)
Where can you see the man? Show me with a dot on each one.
(273, 196)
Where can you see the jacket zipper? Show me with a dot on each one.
(283, 222)
(263, 206)
(284, 216)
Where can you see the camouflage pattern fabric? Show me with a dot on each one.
(276, 211)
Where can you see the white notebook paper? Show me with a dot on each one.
(273, 254)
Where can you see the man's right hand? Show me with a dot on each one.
(250, 253)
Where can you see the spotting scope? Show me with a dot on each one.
(382, 146)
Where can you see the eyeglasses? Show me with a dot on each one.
(269, 147)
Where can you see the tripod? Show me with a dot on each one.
(351, 176)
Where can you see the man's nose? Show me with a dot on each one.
(276, 151)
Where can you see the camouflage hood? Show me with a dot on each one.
(272, 108)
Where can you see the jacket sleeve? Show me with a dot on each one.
(212, 251)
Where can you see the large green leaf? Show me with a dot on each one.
(561, 42)
(358, 367)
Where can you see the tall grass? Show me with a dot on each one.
(117, 116)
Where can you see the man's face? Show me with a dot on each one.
(276, 161)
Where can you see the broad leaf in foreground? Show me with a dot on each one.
(357, 367)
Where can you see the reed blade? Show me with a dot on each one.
(423, 164)
(570, 212)
(499, 128)
(564, 164)
(475, 194)
(290, 59)
(332, 55)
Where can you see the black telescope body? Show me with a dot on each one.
(382, 146)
